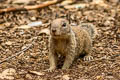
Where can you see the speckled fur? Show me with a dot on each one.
(69, 42)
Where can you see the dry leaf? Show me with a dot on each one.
(99, 77)
(2, 26)
(76, 6)
(45, 58)
(114, 1)
(36, 23)
(66, 2)
(6, 77)
(24, 27)
(80, 66)
(8, 43)
(8, 74)
(100, 3)
(45, 31)
(66, 77)
(32, 24)
(36, 73)
(21, 1)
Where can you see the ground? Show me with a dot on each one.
(33, 63)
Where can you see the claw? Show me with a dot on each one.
(51, 69)
(88, 58)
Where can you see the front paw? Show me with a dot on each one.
(88, 58)
(64, 68)
(51, 69)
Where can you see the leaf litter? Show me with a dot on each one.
(106, 46)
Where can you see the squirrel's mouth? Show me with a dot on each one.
(60, 36)
(55, 34)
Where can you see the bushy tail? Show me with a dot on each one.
(90, 28)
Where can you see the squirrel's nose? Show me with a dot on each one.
(53, 30)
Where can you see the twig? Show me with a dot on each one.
(45, 4)
(18, 53)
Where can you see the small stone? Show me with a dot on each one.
(28, 76)
(7, 24)
(33, 18)
(107, 23)
(99, 78)
(80, 66)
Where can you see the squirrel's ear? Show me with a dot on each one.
(56, 15)
(68, 16)
(49, 25)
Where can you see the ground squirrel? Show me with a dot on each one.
(69, 41)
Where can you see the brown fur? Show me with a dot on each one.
(69, 42)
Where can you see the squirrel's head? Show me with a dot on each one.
(60, 28)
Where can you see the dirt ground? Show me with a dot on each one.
(33, 63)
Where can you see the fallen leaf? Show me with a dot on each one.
(24, 27)
(32, 24)
(114, 1)
(99, 2)
(46, 31)
(110, 77)
(6, 77)
(8, 43)
(2, 26)
(76, 6)
(21, 1)
(80, 66)
(8, 74)
(66, 77)
(66, 2)
(45, 58)
(99, 77)
(36, 73)
(36, 23)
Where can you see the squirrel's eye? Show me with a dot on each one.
(64, 24)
